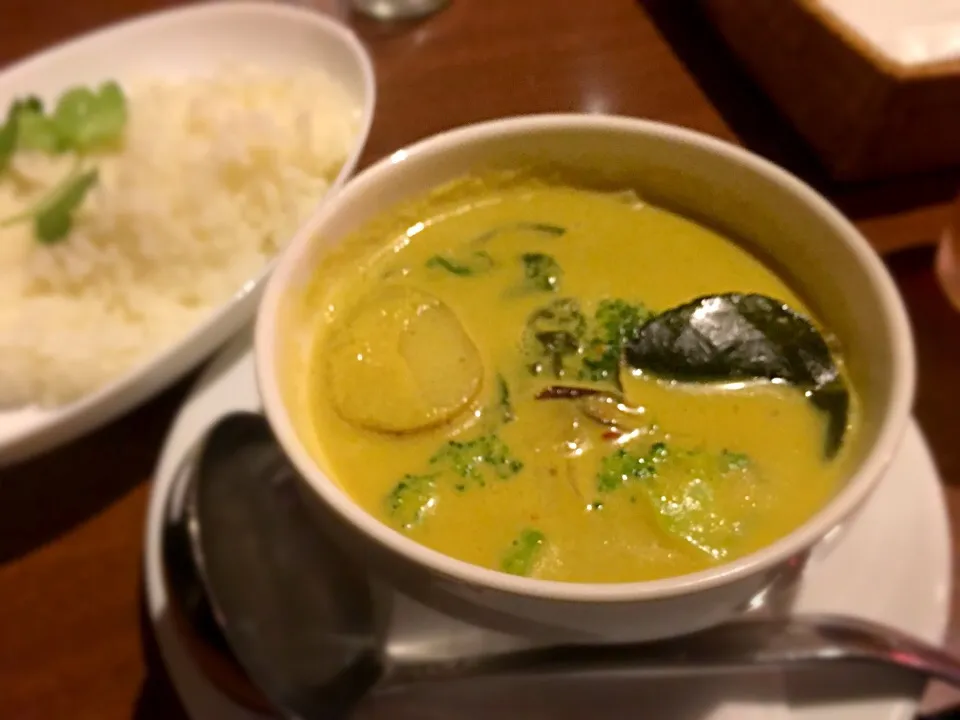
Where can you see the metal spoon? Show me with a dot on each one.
(300, 617)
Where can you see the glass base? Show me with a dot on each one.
(397, 9)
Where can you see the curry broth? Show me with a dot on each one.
(734, 468)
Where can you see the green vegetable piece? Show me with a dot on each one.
(522, 556)
(8, 141)
(684, 489)
(478, 459)
(411, 500)
(474, 263)
(684, 509)
(618, 319)
(734, 460)
(537, 227)
(86, 119)
(622, 467)
(553, 336)
(614, 322)
(541, 272)
(30, 103)
(11, 130)
(38, 132)
(506, 407)
(54, 219)
(687, 489)
(735, 337)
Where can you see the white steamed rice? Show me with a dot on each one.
(214, 176)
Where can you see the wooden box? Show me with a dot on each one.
(867, 112)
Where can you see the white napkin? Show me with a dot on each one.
(906, 31)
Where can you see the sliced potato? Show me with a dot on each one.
(402, 362)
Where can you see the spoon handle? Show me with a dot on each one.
(744, 645)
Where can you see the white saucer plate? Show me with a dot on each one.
(891, 564)
(183, 42)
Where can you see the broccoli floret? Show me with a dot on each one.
(730, 460)
(476, 459)
(411, 499)
(621, 467)
(416, 495)
(523, 553)
(541, 272)
(613, 323)
(616, 319)
(658, 452)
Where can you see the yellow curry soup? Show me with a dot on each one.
(469, 384)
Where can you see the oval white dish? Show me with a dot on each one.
(175, 44)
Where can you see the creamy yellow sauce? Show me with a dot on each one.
(408, 355)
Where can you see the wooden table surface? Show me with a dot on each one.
(73, 639)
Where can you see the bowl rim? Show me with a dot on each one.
(858, 487)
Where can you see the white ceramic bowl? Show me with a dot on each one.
(179, 43)
(769, 210)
